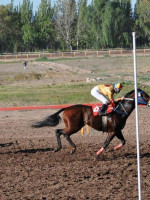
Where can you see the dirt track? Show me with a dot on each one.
(30, 170)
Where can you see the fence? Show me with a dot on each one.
(31, 56)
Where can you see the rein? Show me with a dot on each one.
(120, 112)
(129, 99)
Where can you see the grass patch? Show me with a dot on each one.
(10, 61)
(7, 78)
(56, 94)
(145, 77)
(29, 76)
(45, 59)
(42, 59)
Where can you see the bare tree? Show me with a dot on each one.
(65, 12)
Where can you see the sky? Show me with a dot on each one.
(37, 2)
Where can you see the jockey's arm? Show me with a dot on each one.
(119, 99)
(110, 96)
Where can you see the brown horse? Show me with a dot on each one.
(75, 117)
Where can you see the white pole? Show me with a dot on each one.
(137, 123)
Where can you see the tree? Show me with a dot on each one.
(107, 26)
(66, 16)
(28, 31)
(10, 37)
(45, 24)
(15, 36)
(98, 16)
(143, 20)
(114, 30)
(126, 24)
(81, 23)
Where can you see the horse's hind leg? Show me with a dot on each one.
(58, 134)
(71, 143)
(120, 137)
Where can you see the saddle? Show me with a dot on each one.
(97, 108)
(105, 116)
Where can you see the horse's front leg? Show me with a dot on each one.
(109, 138)
(120, 137)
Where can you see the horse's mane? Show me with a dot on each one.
(129, 94)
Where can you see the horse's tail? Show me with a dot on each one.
(52, 120)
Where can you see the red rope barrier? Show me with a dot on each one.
(43, 107)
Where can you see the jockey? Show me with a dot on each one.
(101, 91)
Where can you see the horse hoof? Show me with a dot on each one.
(56, 150)
(96, 158)
(72, 151)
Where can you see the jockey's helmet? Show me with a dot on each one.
(117, 87)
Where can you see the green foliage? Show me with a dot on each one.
(143, 21)
(42, 59)
(27, 29)
(114, 29)
(45, 25)
(10, 36)
(73, 24)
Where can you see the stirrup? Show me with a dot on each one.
(101, 112)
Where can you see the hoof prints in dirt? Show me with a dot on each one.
(37, 174)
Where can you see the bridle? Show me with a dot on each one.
(140, 100)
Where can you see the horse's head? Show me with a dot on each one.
(142, 97)
(128, 104)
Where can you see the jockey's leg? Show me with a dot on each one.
(95, 93)
(103, 109)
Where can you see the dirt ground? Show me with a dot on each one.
(31, 170)
(106, 70)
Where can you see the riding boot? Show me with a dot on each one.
(103, 109)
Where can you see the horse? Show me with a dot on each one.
(76, 116)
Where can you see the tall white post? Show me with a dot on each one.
(137, 122)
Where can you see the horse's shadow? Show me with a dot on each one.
(127, 155)
(133, 155)
(6, 144)
(34, 150)
(23, 151)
